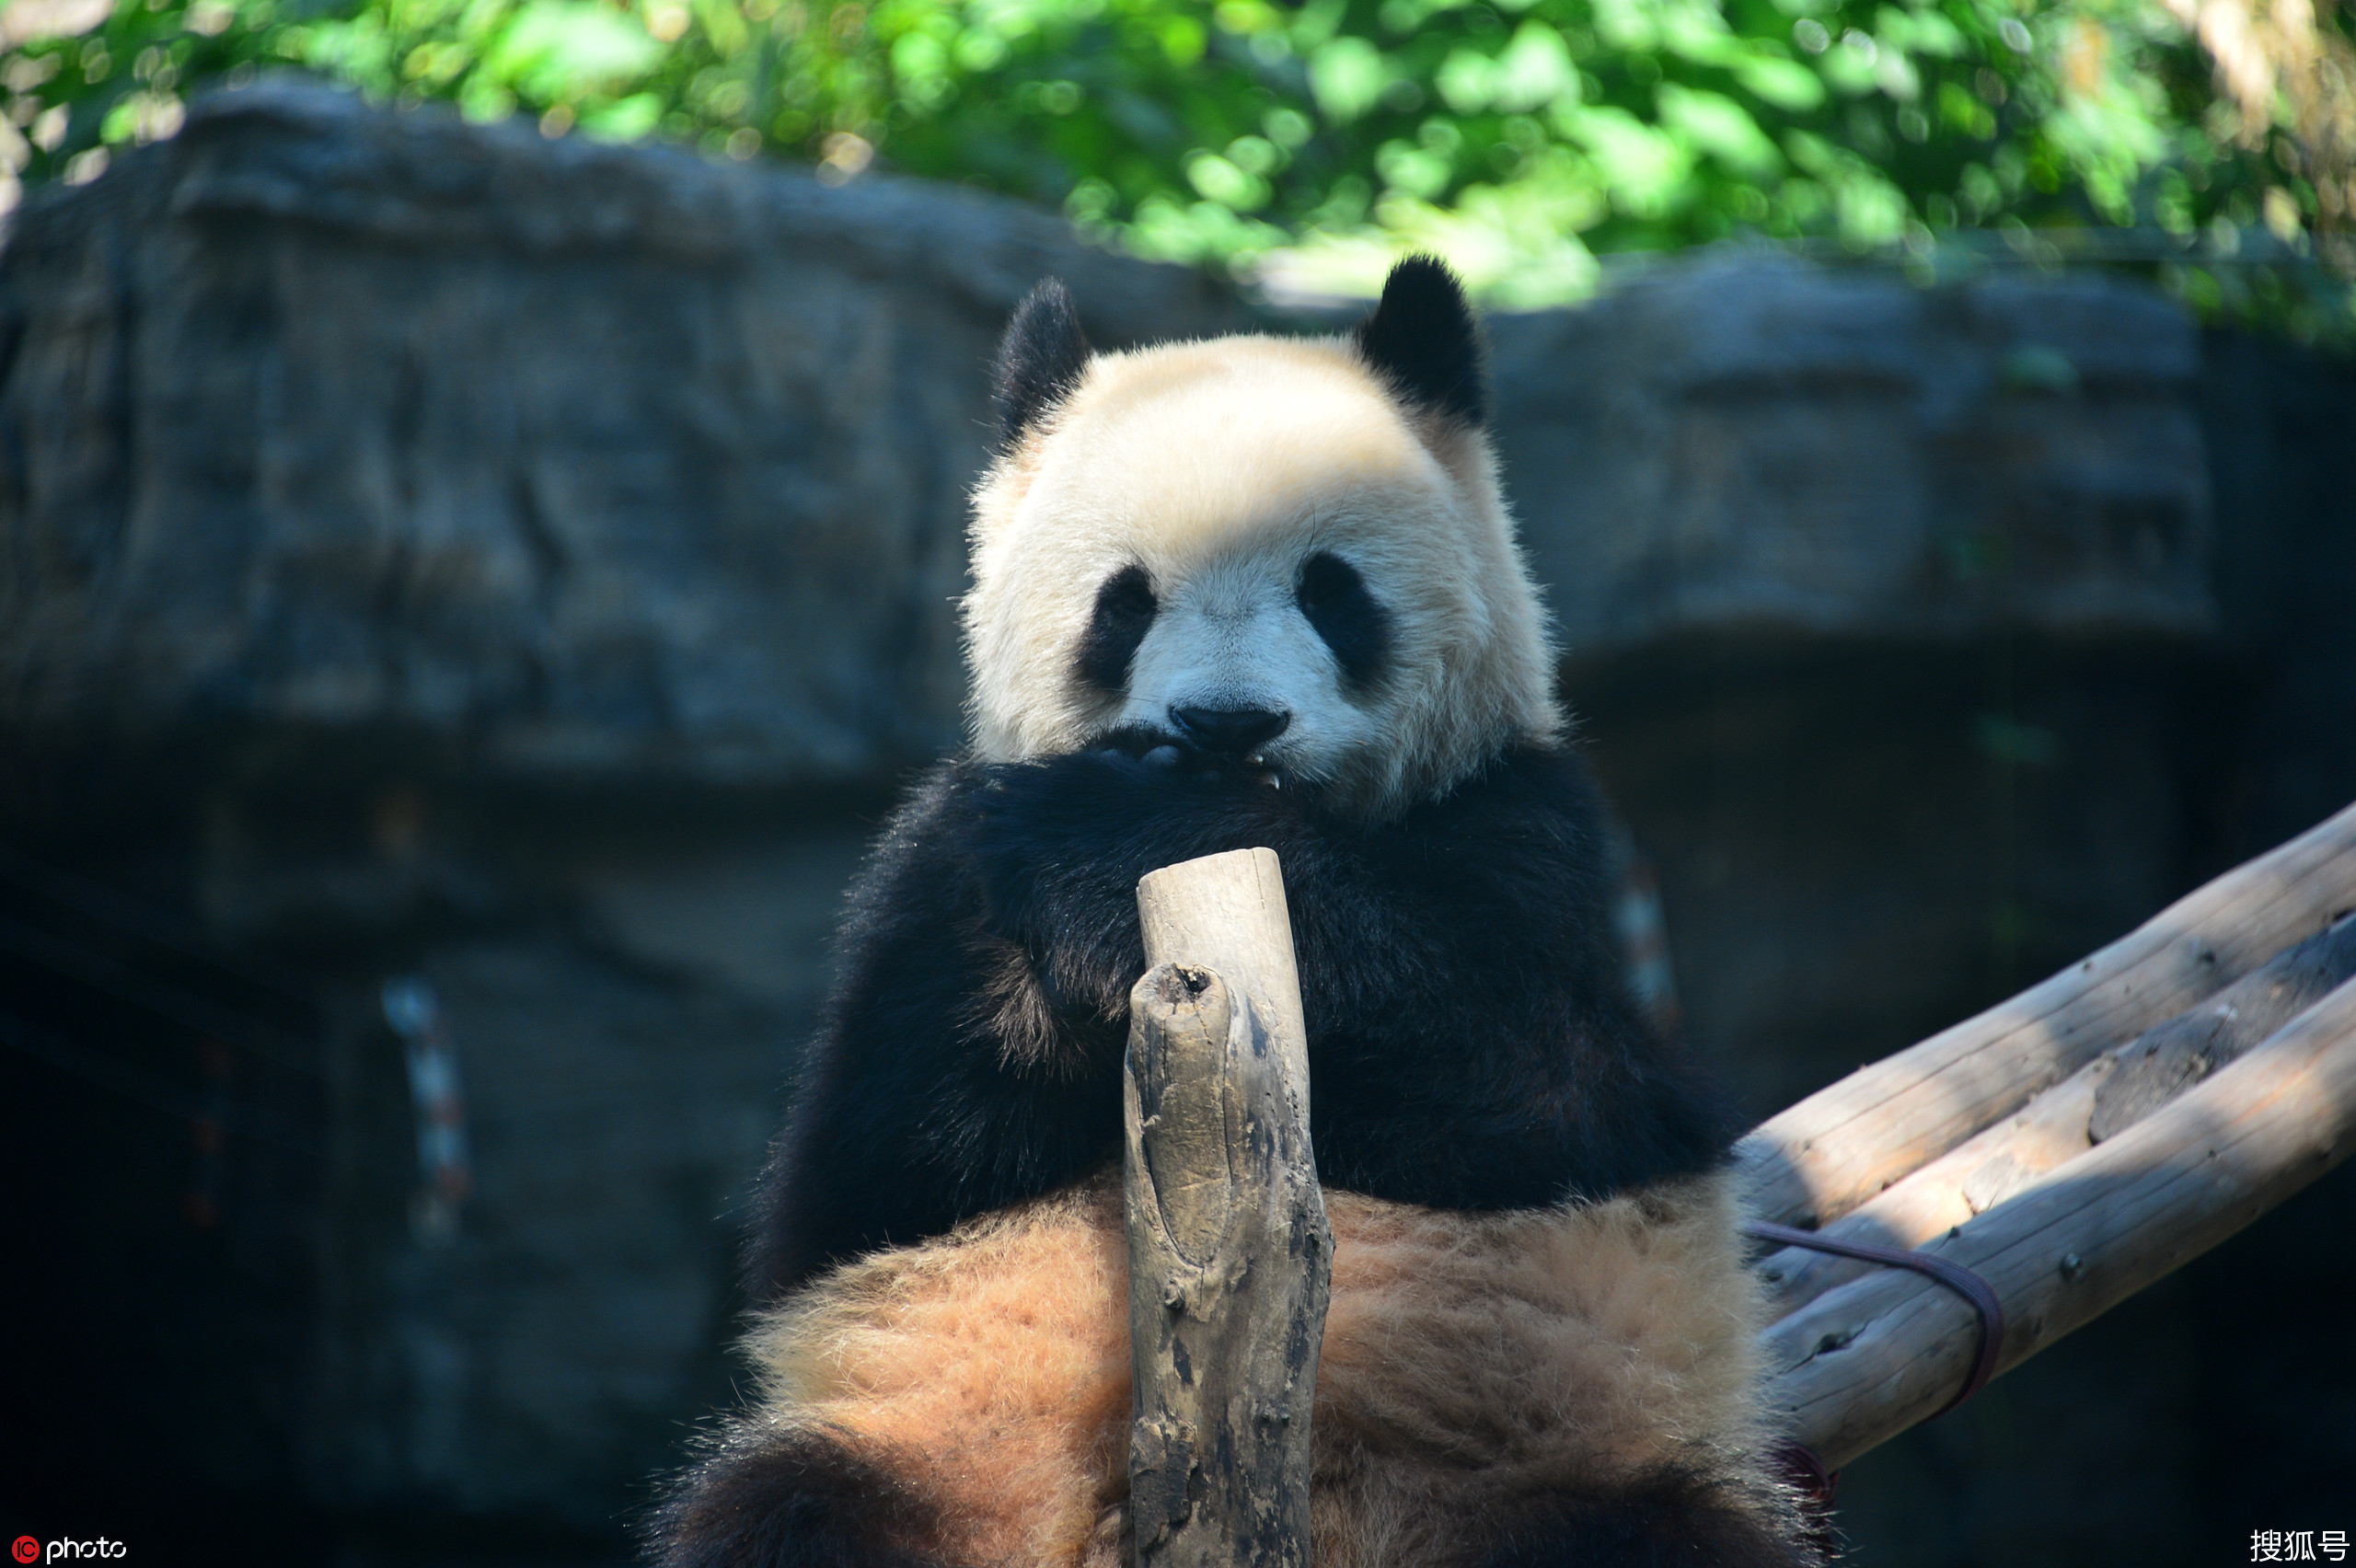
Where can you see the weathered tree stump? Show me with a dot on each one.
(1230, 1253)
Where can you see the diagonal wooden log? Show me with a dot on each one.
(1818, 1161)
(1230, 1251)
(1869, 1359)
(2099, 1101)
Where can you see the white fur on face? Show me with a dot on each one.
(1219, 469)
(1230, 634)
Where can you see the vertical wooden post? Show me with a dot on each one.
(1230, 1253)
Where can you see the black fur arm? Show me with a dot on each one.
(1471, 1041)
(945, 1081)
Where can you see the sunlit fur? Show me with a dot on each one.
(1470, 1363)
(1219, 467)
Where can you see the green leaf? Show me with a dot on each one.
(1467, 80)
(1535, 70)
(1782, 84)
(1346, 77)
(1720, 127)
(624, 119)
(557, 51)
(1641, 165)
(1415, 170)
(1221, 181)
(1183, 41)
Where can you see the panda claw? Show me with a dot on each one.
(1163, 757)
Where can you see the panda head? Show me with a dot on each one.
(1290, 555)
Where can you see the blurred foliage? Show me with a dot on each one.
(1521, 138)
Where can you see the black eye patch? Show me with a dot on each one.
(1124, 610)
(1333, 596)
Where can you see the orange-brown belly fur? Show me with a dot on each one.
(1467, 1357)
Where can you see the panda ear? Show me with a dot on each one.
(1423, 339)
(1040, 360)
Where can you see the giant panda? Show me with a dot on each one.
(1254, 591)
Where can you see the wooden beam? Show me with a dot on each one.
(2100, 1100)
(1820, 1159)
(1867, 1361)
(1229, 1253)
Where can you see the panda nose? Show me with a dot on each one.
(1233, 731)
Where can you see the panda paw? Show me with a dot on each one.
(1154, 756)
(1673, 1519)
(1098, 810)
(796, 1500)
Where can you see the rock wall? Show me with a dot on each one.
(429, 551)
(571, 460)
(1743, 445)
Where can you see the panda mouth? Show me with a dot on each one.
(1165, 753)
